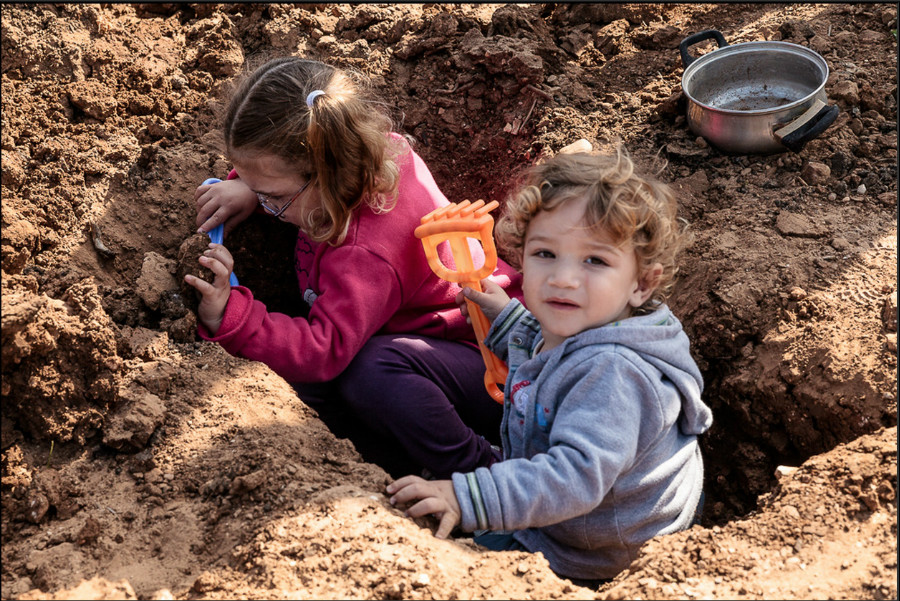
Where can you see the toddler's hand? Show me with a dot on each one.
(215, 295)
(228, 202)
(437, 498)
(491, 300)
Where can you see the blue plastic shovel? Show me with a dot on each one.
(217, 234)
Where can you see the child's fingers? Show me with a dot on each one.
(448, 522)
(219, 269)
(403, 483)
(203, 200)
(202, 286)
(199, 193)
(432, 498)
(490, 286)
(427, 506)
(221, 275)
(208, 219)
(220, 254)
(474, 295)
(405, 489)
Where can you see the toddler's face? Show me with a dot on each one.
(575, 278)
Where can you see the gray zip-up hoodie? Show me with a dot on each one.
(599, 439)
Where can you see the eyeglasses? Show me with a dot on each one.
(266, 201)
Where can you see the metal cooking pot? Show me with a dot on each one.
(755, 97)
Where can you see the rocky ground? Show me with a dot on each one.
(140, 462)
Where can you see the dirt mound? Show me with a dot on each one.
(140, 462)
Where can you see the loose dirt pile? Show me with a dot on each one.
(140, 462)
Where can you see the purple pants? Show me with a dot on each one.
(410, 403)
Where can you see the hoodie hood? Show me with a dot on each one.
(659, 338)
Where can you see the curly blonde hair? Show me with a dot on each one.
(341, 142)
(628, 206)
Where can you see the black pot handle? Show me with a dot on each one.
(797, 139)
(698, 37)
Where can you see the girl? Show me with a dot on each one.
(602, 407)
(384, 355)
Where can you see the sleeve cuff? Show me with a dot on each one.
(497, 335)
(236, 314)
(473, 515)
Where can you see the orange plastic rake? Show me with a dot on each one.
(455, 224)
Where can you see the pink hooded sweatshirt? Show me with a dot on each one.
(377, 281)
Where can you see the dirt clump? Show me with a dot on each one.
(141, 462)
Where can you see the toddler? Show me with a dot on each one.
(602, 404)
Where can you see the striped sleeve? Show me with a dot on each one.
(497, 335)
(468, 515)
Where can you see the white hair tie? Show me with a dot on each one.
(312, 97)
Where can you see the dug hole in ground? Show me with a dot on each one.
(141, 462)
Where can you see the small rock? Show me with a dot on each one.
(783, 471)
(89, 532)
(206, 582)
(867, 36)
(888, 198)
(21, 586)
(889, 312)
(93, 98)
(841, 162)
(847, 91)
(188, 254)
(695, 184)
(326, 41)
(155, 279)
(820, 44)
(142, 462)
(36, 508)
(815, 173)
(130, 428)
(243, 484)
(795, 224)
(840, 243)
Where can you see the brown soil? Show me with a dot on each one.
(141, 462)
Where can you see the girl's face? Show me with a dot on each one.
(575, 278)
(280, 187)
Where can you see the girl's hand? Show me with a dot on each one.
(215, 295)
(437, 498)
(491, 301)
(228, 202)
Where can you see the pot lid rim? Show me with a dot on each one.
(720, 53)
